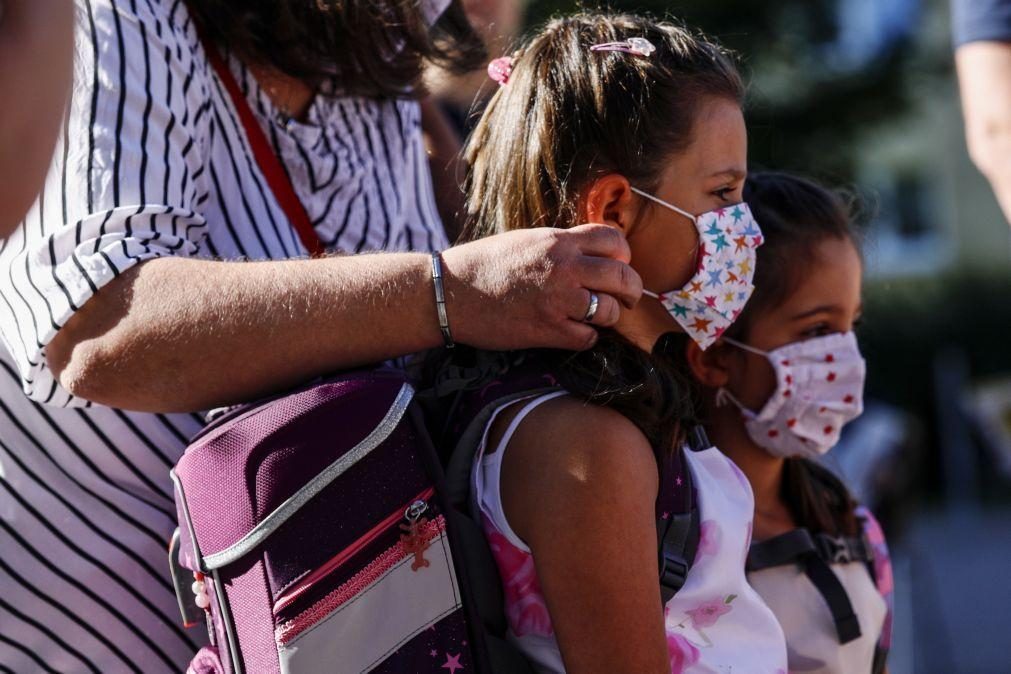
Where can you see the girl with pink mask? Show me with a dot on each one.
(776, 392)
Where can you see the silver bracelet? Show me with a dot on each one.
(440, 300)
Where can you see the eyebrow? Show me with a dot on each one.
(824, 308)
(735, 173)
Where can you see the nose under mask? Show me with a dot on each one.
(722, 284)
(819, 389)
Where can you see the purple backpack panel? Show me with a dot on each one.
(316, 526)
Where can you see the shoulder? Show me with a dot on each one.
(975, 20)
(567, 455)
(567, 436)
(137, 37)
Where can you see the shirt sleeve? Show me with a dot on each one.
(126, 183)
(882, 571)
(978, 20)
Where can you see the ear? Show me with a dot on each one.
(711, 367)
(608, 200)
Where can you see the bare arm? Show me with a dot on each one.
(586, 509)
(36, 48)
(186, 334)
(984, 76)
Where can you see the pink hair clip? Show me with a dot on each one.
(500, 69)
(639, 46)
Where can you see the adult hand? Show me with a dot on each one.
(531, 288)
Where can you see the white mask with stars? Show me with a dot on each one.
(714, 297)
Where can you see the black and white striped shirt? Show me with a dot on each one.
(153, 162)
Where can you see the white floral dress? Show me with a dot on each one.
(715, 623)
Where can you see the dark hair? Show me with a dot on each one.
(373, 49)
(569, 115)
(795, 215)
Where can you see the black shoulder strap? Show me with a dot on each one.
(814, 554)
(677, 517)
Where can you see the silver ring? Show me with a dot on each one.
(591, 310)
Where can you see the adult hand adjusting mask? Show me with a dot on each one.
(714, 297)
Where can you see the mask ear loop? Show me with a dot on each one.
(647, 195)
(695, 221)
(725, 397)
(742, 345)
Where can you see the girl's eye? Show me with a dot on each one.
(723, 192)
(818, 330)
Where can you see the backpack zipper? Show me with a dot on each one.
(417, 508)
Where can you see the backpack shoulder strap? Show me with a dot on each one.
(814, 554)
(677, 517)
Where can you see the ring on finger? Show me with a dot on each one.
(591, 310)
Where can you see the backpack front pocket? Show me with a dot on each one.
(371, 598)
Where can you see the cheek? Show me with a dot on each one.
(666, 255)
(756, 382)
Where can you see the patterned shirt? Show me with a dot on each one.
(152, 162)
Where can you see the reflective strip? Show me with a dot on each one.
(280, 515)
(364, 631)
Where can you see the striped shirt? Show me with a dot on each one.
(152, 162)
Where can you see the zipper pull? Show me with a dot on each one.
(414, 539)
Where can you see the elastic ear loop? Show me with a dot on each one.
(742, 345)
(723, 395)
(647, 195)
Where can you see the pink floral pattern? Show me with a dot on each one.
(708, 612)
(524, 600)
(683, 653)
(709, 539)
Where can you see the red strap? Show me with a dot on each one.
(268, 162)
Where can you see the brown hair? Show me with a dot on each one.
(569, 115)
(796, 214)
(373, 49)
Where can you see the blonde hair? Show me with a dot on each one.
(568, 115)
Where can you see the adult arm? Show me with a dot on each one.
(177, 334)
(103, 291)
(586, 510)
(984, 77)
(36, 54)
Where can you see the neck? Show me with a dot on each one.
(292, 97)
(763, 470)
(646, 323)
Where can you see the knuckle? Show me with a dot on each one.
(611, 313)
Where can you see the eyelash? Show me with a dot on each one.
(817, 330)
(722, 193)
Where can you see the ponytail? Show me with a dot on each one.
(817, 499)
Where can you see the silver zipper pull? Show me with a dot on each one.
(415, 511)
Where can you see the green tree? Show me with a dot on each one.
(804, 108)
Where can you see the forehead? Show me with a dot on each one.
(830, 276)
(719, 140)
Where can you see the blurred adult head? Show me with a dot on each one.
(375, 48)
(498, 23)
